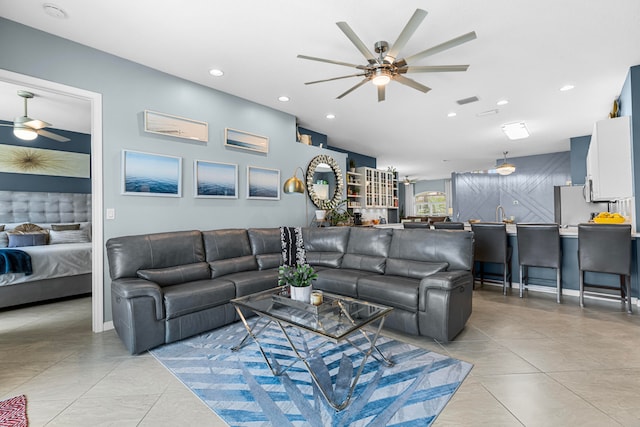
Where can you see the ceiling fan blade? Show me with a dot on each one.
(331, 61)
(407, 32)
(52, 135)
(381, 93)
(411, 83)
(439, 48)
(353, 88)
(346, 29)
(335, 78)
(433, 68)
(36, 124)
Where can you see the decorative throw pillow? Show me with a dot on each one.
(293, 252)
(63, 227)
(17, 240)
(68, 236)
(28, 227)
(4, 239)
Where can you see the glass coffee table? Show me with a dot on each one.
(335, 320)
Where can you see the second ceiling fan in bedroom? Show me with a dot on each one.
(386, 66)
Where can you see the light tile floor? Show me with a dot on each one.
(536, 363)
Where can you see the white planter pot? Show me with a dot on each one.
(301, 294)
(321, 215)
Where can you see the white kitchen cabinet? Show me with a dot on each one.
(379, 188)
(609, 160)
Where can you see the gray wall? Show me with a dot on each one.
(127, 90)
(527, 194)
(579, 150)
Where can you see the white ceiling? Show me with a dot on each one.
(525, 51)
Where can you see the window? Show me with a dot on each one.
(431, 203)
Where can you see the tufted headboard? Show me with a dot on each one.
(23, 206)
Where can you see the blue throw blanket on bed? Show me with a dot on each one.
(15, 261)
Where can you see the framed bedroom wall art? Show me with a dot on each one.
(146, 174)
(41, 161)
(179, 127)
(245, 141)
(263, 183)
(215, 180)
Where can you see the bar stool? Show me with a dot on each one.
(448, 225)
(492, 245)
(539, 246)
(416, 225)
(606, 248)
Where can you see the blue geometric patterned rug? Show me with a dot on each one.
(240, 388)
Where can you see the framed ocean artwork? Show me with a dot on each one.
(263, 183)
(147, 174)
(215, 180)
(179, 127)
(245, 141)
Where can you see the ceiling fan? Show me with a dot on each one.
(24, 127)
(386, 67)
(408, 181)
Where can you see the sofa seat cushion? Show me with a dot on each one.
(340, 281)
(196, 296)
(176, 275)
(249, 282)
(394, 291)
(413, 269)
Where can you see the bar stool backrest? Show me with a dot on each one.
(605, 248)
(539, 245)
(448, 225)
(490, 242)
(416, 225)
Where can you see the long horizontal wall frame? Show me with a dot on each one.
(179, 127)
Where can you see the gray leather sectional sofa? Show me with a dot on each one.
(169, 286)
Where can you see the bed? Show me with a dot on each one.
(62, 266)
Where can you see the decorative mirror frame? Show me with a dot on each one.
(337, 197)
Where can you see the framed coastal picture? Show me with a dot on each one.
(215, 180)
(179, 127)
(147, 174)
(245, 141)
(263, 183)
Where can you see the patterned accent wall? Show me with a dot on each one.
(527, 194)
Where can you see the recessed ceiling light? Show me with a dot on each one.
(566, 88)
(516, 130)
(283, 98)
(216, 73)
(451, 114)
(53, 10)
(502, 102)
(330, 116)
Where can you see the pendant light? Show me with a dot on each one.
(505, 168)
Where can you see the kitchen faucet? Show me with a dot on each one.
(504, 216)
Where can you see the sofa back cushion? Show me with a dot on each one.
(325, 246)
(413, 269)
(176, 275)
(367, 249)
(128, 254)
(228, 251)
(433, 246)
(266, 246)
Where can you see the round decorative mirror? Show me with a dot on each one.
(324, 182)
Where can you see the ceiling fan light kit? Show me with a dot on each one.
(505, 168)
(383, 69)
(25, 133)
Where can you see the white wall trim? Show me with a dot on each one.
(97, 238)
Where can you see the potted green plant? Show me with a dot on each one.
(339, 215)
(352, 165)
(299, 278)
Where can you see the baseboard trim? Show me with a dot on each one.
(107, 326)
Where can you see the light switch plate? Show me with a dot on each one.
(111, 213)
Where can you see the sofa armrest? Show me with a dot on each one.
(446, 281)
(137, 288)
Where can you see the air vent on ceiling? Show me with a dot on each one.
(467, 100)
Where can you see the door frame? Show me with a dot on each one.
(97, 226)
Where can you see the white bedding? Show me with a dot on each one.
(50, 261)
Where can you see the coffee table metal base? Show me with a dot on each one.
(254, 330)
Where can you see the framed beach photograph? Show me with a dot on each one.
(146, 174)
(215, 180)
(245, 141)
(179, 127)
(263, 183)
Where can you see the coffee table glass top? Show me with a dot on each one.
(335, 318)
